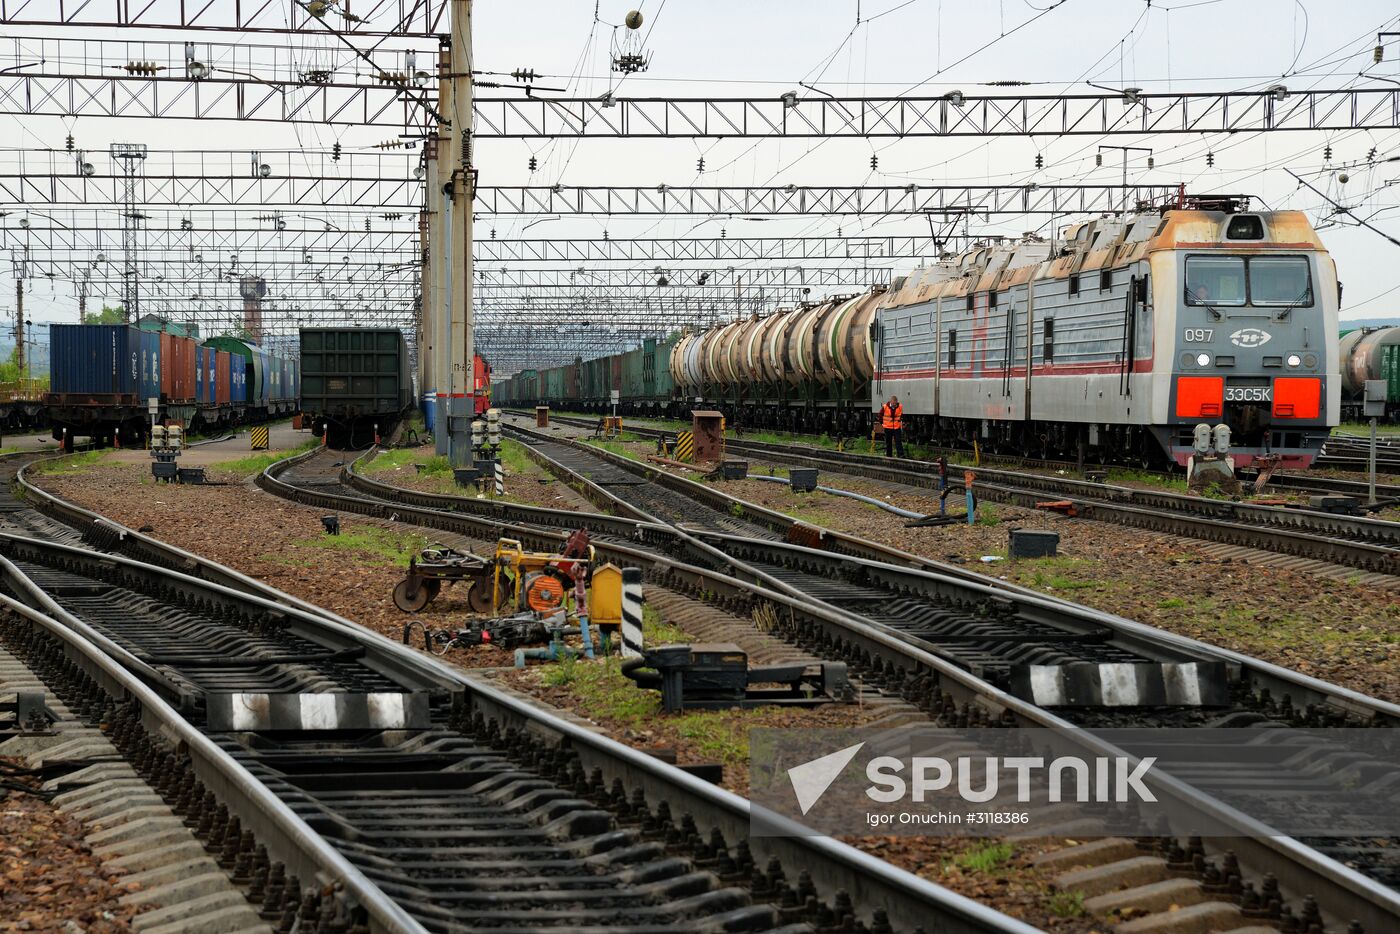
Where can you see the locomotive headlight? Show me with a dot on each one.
(1202, 359)
(1295, 360)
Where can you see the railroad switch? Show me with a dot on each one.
(717, 676)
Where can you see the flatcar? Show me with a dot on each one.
(355, 382)
(1122, 337)
(103, 379)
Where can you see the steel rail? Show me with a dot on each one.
(1262, 675)
(1282, 856)
(281, 830)
(884, 659)
(908, 899)
(1371, 544)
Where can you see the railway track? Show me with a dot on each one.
(1352, 880)
(1295, 482)
(1369, 544)
(354, 784)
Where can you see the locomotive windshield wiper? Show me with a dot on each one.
(1286, 310)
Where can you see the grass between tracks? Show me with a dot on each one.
(72, 463)
(257, 463)
(368, 545)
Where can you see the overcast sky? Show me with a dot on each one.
(720, 48)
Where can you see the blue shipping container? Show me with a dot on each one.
(238, 381)
(104, 359)
(210, 376)
(199, 374)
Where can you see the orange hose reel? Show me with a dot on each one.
(544, 593)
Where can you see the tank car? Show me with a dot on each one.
(1366, 354)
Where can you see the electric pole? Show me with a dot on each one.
(463, 181)
(440, 240)
(19, 323)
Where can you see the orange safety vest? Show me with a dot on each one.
(892, 418)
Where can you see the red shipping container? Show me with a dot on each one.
(167, 365)
(222, 386)
(178, 368)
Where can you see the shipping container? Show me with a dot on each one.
(104, 359)
(237, 380)
(178, 370)
(223, 389)
(249, 359)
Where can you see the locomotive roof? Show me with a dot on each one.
(1104, 241)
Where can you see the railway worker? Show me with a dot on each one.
(892, 419)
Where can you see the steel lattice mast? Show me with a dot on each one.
(131, 155)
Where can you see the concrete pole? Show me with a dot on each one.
(427, 384)
(427, 286)
(19, 324)
(463, 194)
(440, 238)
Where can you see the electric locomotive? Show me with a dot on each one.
(1125, 337)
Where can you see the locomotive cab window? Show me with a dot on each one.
(1279, 280)
(1233, 281)
(1215, 280)
(953, 349)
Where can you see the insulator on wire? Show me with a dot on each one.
(874, 162)
(723, 233)
(1151, 163)
(1098, 159)
(1327, 153)
(534, 163)
(366, 224)
(700, 164)
(335, 152)
(1210, 160)
(70, 143)
(1371, 156)
(1039, 161)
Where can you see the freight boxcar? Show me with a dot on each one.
(354, 379)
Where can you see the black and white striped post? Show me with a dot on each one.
(632, 612)
(500, 478)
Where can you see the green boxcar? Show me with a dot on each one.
(659, 370)
(552, 384)
(1390, 372)
(634, 381)
(353, 375)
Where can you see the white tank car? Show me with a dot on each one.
(1124, 336)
